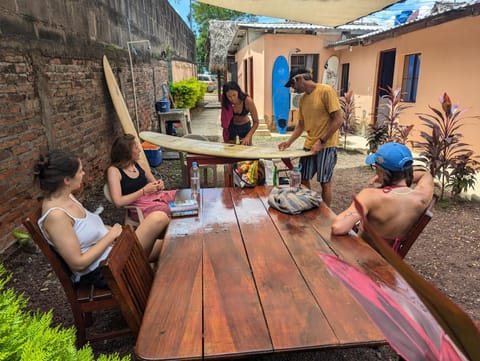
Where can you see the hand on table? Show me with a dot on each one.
(283, 145)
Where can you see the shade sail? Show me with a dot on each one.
(320, 12)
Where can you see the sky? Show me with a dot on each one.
(183, 8)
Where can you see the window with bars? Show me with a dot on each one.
(411, 70)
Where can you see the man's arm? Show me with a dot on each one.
(296, 133)
(423, 181)
(347, 219)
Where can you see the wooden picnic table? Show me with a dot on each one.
(243, 279)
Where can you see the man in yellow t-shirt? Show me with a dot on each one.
(321, 117)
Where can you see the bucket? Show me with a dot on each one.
(162, 106)
(153, 154)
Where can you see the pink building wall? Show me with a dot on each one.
(449, 63)
(265, 50)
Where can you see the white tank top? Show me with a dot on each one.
(89, 231)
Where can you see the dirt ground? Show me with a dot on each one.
(447, 254)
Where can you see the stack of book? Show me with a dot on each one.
(183, 207)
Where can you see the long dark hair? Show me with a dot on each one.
(232, 85)
(122, 150)
(52, 168)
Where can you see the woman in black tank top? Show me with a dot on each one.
(242, 105)
(131, 181)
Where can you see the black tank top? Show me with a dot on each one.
(131, 185)
(243, 112)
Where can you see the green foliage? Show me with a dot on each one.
(462, 176)
(387, 128)
(450, 160)
(347, 104)
(376, 136)
(21, 237)
(202, 13)
(26, 336)
(187, 93)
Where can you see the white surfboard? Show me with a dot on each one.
(224, 150)
(330, 72)
(119, 104)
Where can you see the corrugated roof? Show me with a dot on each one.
(442, 14)
(302, 26)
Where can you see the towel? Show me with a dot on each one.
(226, 117)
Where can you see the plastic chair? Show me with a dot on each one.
(129, 276)
(203, 167)
(128, 209)
(84, 300)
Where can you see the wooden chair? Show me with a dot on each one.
(129, 276)
(415, 231)
(128, 209)
(83, 299)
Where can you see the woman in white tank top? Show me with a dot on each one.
(79, 236)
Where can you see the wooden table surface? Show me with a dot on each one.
(244, 279)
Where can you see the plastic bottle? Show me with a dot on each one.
(195, 180)
(295, 178)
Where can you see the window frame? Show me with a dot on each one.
(411, 74)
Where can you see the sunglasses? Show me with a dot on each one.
(296, 77)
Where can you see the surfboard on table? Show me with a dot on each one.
(119, 104)
(280, 94)
(220, 149)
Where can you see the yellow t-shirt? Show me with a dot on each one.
(315, 109)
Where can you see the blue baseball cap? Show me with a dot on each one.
(392, 156)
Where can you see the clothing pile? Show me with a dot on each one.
(293, 200)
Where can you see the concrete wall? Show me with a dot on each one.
(52, 87)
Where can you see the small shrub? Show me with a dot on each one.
(347, 104)
(26, 336)
(187, 93)
(387, 128)
(450, 160)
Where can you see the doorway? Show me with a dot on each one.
(386, 68)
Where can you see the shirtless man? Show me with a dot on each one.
(393, 208)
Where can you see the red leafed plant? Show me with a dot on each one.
(347, 104)
(449, 159)
(387, 128)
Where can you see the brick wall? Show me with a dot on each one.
(53, 95)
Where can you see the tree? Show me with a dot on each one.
(202, 13)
